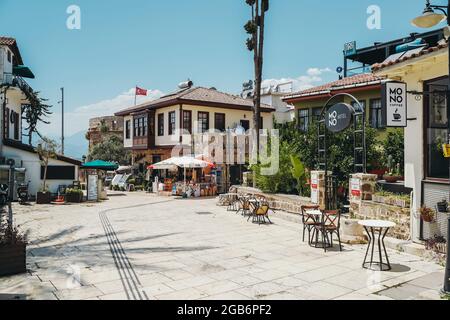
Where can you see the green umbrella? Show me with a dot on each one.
(100, 165)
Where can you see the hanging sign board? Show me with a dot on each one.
(338, 117)
(355, 187)
(394, 104)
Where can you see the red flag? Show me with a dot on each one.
(141, 92)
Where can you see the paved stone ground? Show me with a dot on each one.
(139, 246)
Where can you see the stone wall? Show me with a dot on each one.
(283, 202)
(369, 210)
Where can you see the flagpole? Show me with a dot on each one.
(135, 95)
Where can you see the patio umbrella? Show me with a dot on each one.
(100, 165)
(184, 162)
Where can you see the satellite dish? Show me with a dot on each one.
(339, 69)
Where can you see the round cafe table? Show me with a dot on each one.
(372, 227)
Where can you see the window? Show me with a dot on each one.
(144, 126)
(127, 129)
(135, 127)
(9, 56)
(187, 121)
(436, 130)
(59, 172)
(203, 122)
(303, 119)
(261, 123)
(375, 115)
(172, 122)
(161, 124)
(219, 121)
(16, 126)
(316, 113)
(356, 106)
(245, 124)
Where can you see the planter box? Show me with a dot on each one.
(74, 198)
(12, 259)
(43, 198)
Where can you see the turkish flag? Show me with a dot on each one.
(141, 92)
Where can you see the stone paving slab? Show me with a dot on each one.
(141, 246)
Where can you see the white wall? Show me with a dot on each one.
(30, 161)
(232, 117)
(414, 74)
(15, 100)
(5, 65)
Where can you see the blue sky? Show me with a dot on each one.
(157, 44)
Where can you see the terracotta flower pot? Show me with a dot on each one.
(391, 179)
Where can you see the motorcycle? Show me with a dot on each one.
(22, 193)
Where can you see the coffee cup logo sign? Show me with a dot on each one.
(338, 117)
(394, 104)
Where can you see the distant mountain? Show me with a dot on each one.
(76, 145)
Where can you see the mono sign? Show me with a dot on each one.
(394, 104)
(338, 117)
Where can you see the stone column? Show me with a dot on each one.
(361, 187)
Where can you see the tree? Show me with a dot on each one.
(34, 113)
(111, 150)
(299, 173)
(255, 28)
(46, 150)
(394, 147)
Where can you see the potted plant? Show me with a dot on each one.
(46, 150)
(12, 251)
(427, 214)
(442, 206)
(74, 195)
(393, 175)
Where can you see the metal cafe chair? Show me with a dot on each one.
(244, 205)
(261, 213)
(330, 225)
(308, 220)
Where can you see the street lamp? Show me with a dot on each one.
(429, 19)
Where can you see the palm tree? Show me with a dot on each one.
(255, 28)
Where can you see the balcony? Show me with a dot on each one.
(15, 81)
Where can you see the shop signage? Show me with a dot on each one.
(314, 188)
(355, 187)
(394, 104)
(350, 48)
(338, 117)
(92, 192)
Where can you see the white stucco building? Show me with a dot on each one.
(425, 72)
(14, 93)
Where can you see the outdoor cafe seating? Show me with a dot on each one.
(321, 224)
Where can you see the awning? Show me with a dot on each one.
(23, 72)
(100, 165)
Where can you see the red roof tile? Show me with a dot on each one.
(205, 96)
(365, 78)
(379, 66)
(12, 44)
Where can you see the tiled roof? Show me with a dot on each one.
(360, 79)
(379, 66)
(194, 95)
(12, 44)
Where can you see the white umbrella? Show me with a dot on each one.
(182, 162)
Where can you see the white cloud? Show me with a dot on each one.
(78, 119)
(313, 77)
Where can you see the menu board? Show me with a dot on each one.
(92, 192)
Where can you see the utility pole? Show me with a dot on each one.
(62, 121)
